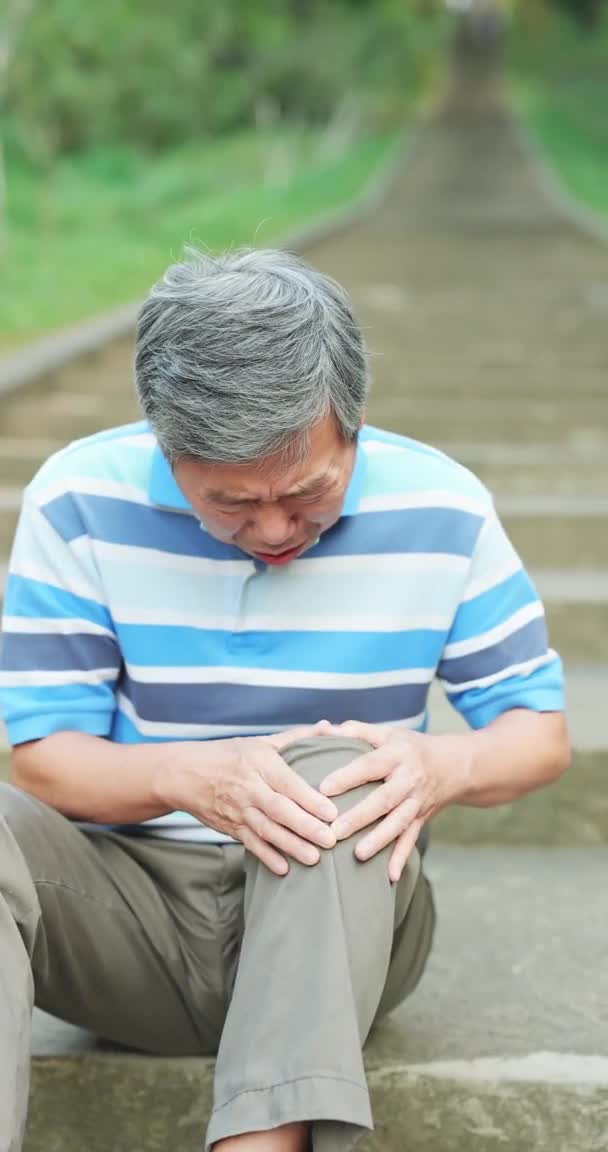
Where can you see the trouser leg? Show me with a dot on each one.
(85, 933)
(317, 948)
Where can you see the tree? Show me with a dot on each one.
(11, 27)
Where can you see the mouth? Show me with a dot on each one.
(279, 557)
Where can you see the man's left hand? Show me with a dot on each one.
(412, 788)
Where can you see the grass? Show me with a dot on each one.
(559, 85)
(97, 230)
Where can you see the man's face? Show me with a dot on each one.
(271, 511)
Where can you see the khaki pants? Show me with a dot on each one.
(177, 948)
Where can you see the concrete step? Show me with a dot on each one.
(502, 1044)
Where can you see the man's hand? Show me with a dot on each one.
(244, 787)
(411, 788)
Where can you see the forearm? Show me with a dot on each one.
(520, 751)
(90, 778)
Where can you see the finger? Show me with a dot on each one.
(371, 733)
(282, 838)
(267, 855)
(382, 800)
(404, 846)
(286, 812)
(284, 780)
(389, 829)
(365, 769)
(280, 740)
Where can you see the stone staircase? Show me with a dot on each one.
(488, 313)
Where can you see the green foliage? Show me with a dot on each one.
(151, 74)
(131, 127)
(559, 80)
(102, 227)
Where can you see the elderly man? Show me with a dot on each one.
(220, 630)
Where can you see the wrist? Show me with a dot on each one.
(182, 767)
(453, 761)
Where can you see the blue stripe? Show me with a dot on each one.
(239, 704)
(32, 713)
(525, 644)
(293, 651)
(53, 652)
(35, 598)
(125, 522)
(542, 690)
(490, 608)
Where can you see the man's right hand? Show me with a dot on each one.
(243, 787)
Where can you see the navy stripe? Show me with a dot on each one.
(403, 530)
(525, 644)
(238, 704)
(138, 525)
(125, 522)
(53, 652)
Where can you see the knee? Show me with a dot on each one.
(318, 756)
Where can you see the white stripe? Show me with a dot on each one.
(131, 554)
(138, 439)
(524, 669)
(37, 678)
(379, 447)
(492, 579)
(277, 678)
(427, 498)
(170, 617)
(345, 565)
(53, 624)
(381, 562)
(88, 485)
(494, 635)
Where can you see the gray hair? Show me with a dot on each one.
(239, 355)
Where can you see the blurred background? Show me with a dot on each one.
(467, 143)
(129, 128)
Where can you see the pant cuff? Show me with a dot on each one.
(307, 1098)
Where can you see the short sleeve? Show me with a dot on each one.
(497, 656)
(59, 656)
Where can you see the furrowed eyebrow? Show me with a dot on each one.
(297, 490)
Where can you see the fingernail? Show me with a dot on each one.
(329, 812)
(312, 856)
(328, 838)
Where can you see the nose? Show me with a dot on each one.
(273, 525)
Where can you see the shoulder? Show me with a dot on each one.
(397, 465)
(97, 464)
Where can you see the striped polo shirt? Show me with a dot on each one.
(125, 618)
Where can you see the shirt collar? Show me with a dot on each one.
(164, 490)
(354, 490)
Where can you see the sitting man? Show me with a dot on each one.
(220, 630)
